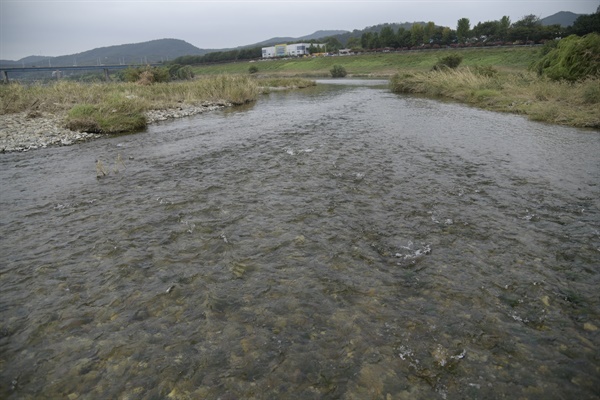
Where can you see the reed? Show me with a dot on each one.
(120, 107)
(539, 98)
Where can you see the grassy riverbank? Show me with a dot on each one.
(379, 64)
(121, 107)
(496, 79)
(558, 102)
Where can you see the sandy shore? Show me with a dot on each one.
(23, 131)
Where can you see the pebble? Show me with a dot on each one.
(153, 116)
(23, 132)
(20, 132)
(588, 326)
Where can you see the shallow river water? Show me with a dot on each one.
(337, 242)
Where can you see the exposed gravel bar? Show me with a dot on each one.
(28, 131)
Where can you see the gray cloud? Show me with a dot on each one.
(54, 27)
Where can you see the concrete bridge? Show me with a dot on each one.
(5, 70)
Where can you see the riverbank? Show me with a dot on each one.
(383, 65)
(65, 113)
(496, 79)
(26, 131)
(540, 99)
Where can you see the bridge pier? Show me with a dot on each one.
(106, 76)
(4, 77)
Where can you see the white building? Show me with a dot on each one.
(287, 50)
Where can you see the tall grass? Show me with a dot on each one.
(120, 107)
(574, 104)
(380, 64)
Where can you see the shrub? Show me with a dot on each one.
(253, 69)
(81, 118)
(146, 75)
(574, 58)
(488, 71)
(114, 116)
(450, 61)
(338, 71)
(180, 72)
(591, 92)
(146, 78)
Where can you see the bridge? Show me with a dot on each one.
(5, 70)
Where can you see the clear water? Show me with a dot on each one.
(338, 242)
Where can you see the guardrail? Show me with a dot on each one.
(5, 70)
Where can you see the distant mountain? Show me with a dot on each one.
(27, 61)
(167, 49)
(340, 35)
(321, 35)
(314, 36)
(562, 18)
(150, 52)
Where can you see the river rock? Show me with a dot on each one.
(25, 131)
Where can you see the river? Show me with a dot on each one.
(335, 242)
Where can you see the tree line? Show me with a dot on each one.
(527, 30)
(221, 56)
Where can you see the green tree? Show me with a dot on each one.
(585, 24)
(375, 41)
(387, 37)
(503, 27)
(403, 37)
(489, 29)
(447, 35)
(365, 39)
(438, 35)
(527, 28)
(333, 44)
(353, 42)
(416, 35)
(428, 32)
(463, 27)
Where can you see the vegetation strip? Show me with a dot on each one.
(564, 89)
(66, 112)
(539, 98)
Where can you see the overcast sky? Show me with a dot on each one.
(64, 27)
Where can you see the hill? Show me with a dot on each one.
(278, 40)
(562, 18)
(153, 51)
(167, 49)
(134, 53)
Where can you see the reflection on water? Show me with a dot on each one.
(334, 242)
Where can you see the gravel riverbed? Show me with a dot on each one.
(26, 131)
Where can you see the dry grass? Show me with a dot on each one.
(63, 95)
(574, 104)
(120, 107)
